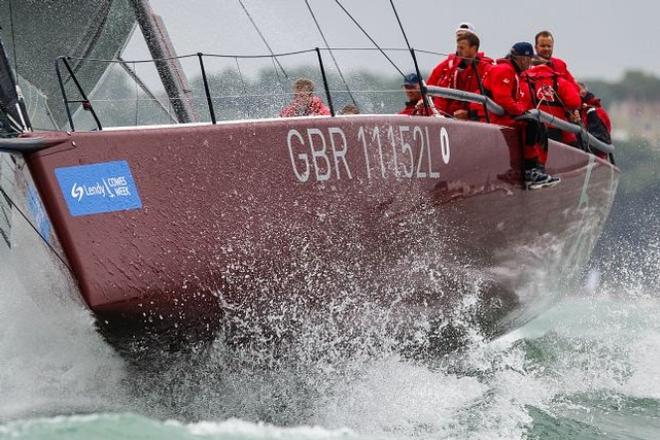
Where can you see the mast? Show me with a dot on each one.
(169, 68)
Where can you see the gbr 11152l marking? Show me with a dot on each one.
(376, 152)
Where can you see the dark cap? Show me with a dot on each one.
(411, 80)
(522, 49)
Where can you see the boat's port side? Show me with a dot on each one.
(164, 227)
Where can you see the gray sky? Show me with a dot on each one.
(596, 38)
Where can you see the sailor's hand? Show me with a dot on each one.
(461, 114)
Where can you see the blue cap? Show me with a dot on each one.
(523, 49)
(411, 80)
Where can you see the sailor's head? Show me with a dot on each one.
(467, 45)
(544, 44)
(584, 90)
(411, 86)
(521, 54)
(464, 28)
(303, 87)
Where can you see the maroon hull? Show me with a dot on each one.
(266, 208)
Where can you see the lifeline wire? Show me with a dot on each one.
(369, 37)
(332, 55)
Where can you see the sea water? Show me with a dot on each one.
(589, 368)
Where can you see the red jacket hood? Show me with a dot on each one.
(540, 71)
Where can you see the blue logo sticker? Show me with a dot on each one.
(98, 188)
(38, 212)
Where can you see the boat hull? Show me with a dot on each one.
(411, 214)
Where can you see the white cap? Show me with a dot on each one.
(465, 26)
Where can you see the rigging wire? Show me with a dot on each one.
(369, 37)
(332, 55)
(422, 86)
(276, 61)
(263, 38)
(245, 92)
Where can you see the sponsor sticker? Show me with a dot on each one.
(98, 188)
(38, 212)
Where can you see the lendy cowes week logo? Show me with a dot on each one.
(98, 188)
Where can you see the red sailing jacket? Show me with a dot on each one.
(410, 108)
(439, 72)
(591, 101)
(462, 75)
(553, 94)
(315, 107)
(415, 108)
(559, 66)
(503, 85)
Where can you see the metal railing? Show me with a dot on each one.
(531, 115)
(460, 95)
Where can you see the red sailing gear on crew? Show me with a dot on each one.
(503, 85)
(463, 75)
(592, 101)
(313, 107)
(416, 108)
(553, 94)
(559, 66)
(439, 72)
(595, 119)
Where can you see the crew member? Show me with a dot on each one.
(304, 102)
(465, 73)
(594, 118)
(440, 71)
(553, 94)
(414, 104)
(503, 84)
(544, 45)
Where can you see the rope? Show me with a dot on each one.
(332, 55)
(369, 37)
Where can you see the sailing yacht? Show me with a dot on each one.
(181, 228)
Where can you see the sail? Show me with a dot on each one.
(36, 32)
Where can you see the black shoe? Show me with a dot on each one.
(537, 178)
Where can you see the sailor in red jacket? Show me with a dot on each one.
(504, 85)
(414, 104)
(464, 72)
(304, 102)
(594, 118)
(553, 94)
(544, 45)
(441, 71)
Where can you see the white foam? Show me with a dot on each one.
(51, 358)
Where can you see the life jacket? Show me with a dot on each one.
(503, 85)
(553, 94)
(313, 107)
